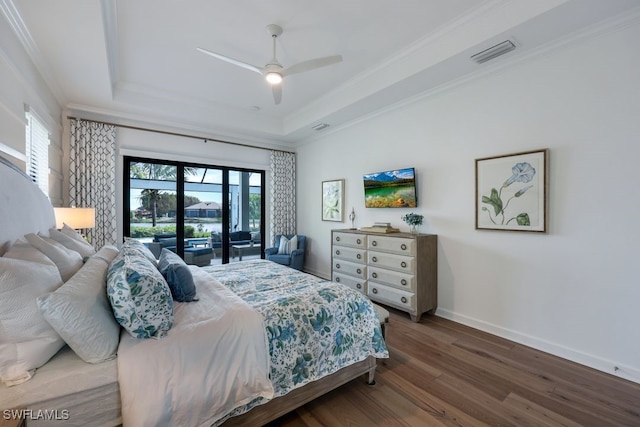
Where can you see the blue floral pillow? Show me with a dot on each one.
(137, 245)
(139, 295)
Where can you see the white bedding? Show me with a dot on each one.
(87, 392)
(226, 367)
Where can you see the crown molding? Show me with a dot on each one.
(110, 27)
(12, 14)
(154, 121)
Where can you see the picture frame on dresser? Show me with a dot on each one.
(333, 200)
(511, 192)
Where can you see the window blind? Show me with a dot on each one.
(37, 150)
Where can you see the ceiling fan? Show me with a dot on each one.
(273, 71)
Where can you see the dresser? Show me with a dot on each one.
(396, 269)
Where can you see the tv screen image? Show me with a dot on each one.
(390, 189)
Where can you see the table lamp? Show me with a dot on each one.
(76, 218)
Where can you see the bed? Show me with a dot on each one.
(261, 340)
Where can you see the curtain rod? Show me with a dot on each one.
(181, 134)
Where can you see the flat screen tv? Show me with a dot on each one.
(390, 189)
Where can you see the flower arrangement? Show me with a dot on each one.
(413, 220)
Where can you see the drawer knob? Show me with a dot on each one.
(404, 300)
(374, 275)
(403, 247)
(359, 286)
(375, 291)
(338, 252)
(358, 241)
(403, 264)
(337, 238)
(374, 243)
(374, 259)
(338, 279)
(337, 265)
(359, 271)
(403, 282)
(359, 256)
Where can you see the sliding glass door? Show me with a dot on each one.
(216, 213)
(245, 211)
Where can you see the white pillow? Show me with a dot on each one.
(67, 261)
(84, 248)
(26, 339)
(70, 232)
(80, 313)
(287, 245)
(107, 253)
(26, 252)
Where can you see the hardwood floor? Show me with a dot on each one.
(441, 373)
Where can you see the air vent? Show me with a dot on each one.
(320, 126)
(493, 52)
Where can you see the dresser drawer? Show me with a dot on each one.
(400, 263)
(392, 296)
(396, 245)
(396, 279)
(352, 282)
(350, 254)
(350, 268)
(349, 239)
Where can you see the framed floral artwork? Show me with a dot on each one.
(333, 200)
(511, 192)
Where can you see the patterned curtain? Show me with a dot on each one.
(92, 176)
(283, 194)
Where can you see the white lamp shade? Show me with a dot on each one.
(76, 218)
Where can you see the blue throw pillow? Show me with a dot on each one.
(178, 276)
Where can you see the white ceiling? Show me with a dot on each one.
(135, 62)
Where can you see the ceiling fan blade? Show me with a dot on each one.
(311, 64)
(277, 93)
(250, 67)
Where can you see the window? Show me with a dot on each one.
(217, 211)
(37, 151)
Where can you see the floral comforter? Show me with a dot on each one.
(314, 327)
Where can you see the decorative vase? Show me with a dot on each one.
(413, 228)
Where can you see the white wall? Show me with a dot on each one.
(574, 291)
(20, 85)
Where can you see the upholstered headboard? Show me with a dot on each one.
(24, 208)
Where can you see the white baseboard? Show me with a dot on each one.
(316, 273)
(595, 362)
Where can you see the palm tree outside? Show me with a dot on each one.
(150, 197)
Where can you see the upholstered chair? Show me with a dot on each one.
(294, 259)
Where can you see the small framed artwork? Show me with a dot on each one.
(511, 192)
(333, 200)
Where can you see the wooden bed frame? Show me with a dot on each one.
(279, 406)
(25, 209)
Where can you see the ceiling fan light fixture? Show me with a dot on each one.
(273, 77)
(273, 71)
